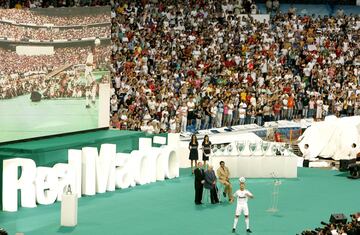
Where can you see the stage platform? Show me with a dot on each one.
(167, 207)
(52, 150)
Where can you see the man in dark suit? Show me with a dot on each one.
(210, 183)
(199, 183)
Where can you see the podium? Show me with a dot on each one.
(69, 207)
(275, 197)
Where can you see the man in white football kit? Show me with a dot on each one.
(89, 68)
(242, 196)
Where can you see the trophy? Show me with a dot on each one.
(240, 146)
(282, 150)
(222, 148)
(274, 149)
(264, 147)
(67, 189)
(252, 147)
(214, 149)
(288, 150)
(229, 148)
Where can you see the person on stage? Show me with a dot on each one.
(242, 196)
(306, 152)
(3, 232)
(206, 144)
(210, 183)
(89, 77)
(194, 155)
(199, 183)
(223, 174)
(353, 152)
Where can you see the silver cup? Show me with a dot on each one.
(264, 147)
(253, 147)
(240, 145)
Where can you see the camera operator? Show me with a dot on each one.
(353, 227)
(3, 232)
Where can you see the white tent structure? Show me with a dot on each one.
(332, 138)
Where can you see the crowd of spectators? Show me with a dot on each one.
(20, 33)
(350, 228)
(12, 63)
(191, 63)
(272, 6)
(4, 4)
(22, 74)
(19, 4)
(64, 85)
(29, 17)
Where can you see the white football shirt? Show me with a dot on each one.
(241, 196)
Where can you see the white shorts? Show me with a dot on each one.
(242, 208)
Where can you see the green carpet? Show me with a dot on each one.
(21, 119)
(168, 208)
(70, 141)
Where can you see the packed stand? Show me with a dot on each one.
(350, 228)
(4, 4)
(201, 65)
(65, 85)
(12, 63)
(18, 33)
(21, 75)
(20, 4)
(28, 17)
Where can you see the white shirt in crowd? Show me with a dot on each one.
(191, 105)
(242, 111)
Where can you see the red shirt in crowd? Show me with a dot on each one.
(291, 102)
(277, 108)
(287, 89)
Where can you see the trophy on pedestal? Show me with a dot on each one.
(214, 149)
(274, 149)
(287, 150)
(229, 149)
(253, 147)
(282, 150)
(264, 147)
(240, 145)
(222, 148)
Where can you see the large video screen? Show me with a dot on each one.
(54, 64)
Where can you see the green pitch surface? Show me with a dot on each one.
(168, 208)
(21, 119)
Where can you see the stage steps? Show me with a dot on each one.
(296, 149)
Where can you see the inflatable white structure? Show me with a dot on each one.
(332, 138)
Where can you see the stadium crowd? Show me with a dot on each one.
(65, 85)
(19, 33)
(189, 62)
(349, 228)
(23, 74)
(12, 63)
(19, 4)
(28, 17)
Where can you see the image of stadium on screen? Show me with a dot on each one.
(51, 64)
